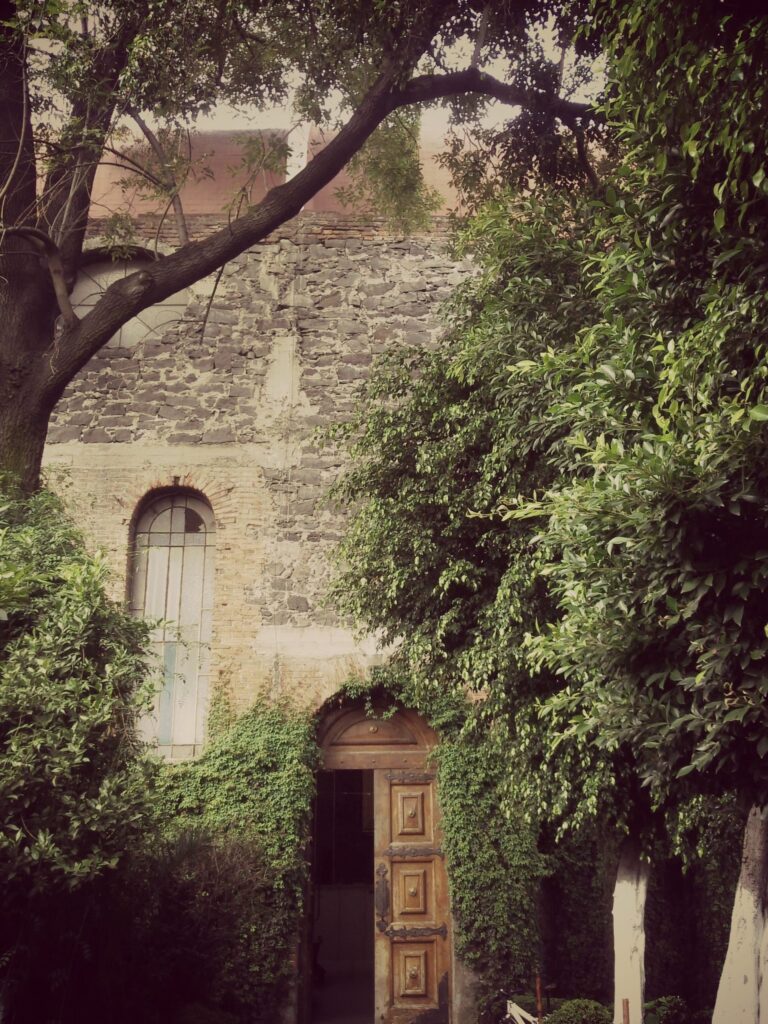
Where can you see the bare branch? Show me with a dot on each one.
(24, 129)
(134, 167)
(169, 184)
(44, 244)
(482, 32)
(586, 164)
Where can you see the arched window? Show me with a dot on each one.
(172, 583)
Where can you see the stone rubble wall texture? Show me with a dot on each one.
(232, 409)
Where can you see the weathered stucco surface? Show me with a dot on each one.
(232, 409)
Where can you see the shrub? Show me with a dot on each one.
(580, 1011)
(72, 784)
(667, 1010)
(199, 923)
(237, 822)
(75, 788)
(494, 867)
(210, 934)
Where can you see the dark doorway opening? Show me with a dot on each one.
(343, 916)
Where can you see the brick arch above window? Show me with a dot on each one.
(171, 584)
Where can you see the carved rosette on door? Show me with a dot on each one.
(413, 952)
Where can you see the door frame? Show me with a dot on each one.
(400, 742)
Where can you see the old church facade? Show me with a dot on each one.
(190, 451)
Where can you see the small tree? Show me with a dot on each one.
(656, 538)
(73, 784)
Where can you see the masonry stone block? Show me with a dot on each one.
(198, 411)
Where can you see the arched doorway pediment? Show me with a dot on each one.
(354, 738)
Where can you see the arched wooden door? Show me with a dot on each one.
(411, 926)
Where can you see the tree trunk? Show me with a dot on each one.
(28, 308)
(742, 998)
(28, 313)
(22, 438)
(629, 896)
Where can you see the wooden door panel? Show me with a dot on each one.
(413, 890)
(412, 934)
(414, 975)
(412, 813)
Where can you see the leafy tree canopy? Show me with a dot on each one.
(603, 388)
(657, 545)
(70, 72)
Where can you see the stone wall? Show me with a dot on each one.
(226, 395)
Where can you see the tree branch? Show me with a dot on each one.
(68, 184)
(17, 155)
(44, 244)
(425, 88)
(586, 164)
(170, 274)
(169, 183)
(482, 32)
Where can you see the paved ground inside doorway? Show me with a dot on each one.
(343, 1000)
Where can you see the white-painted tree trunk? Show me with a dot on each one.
(742, 996)
(629, 932)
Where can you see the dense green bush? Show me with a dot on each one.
(198, 923)
(236, 822)
(211, 933)
(580, 1011)
(73, 787)
(494, 866)
(575, 912)
(667, 1010)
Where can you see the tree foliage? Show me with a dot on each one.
(72, 784)
(71, 73)
(657, 546)
(631, 392)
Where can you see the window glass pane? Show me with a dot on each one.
(192, 593)
(165, 709)
(157, 582)
(185, 693)
(161, 523)
(172, 581)
(173, 589)
(177, 518)
(193, 521)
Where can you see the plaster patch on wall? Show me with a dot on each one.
(280, 390)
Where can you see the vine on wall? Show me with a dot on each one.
(494, 866)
